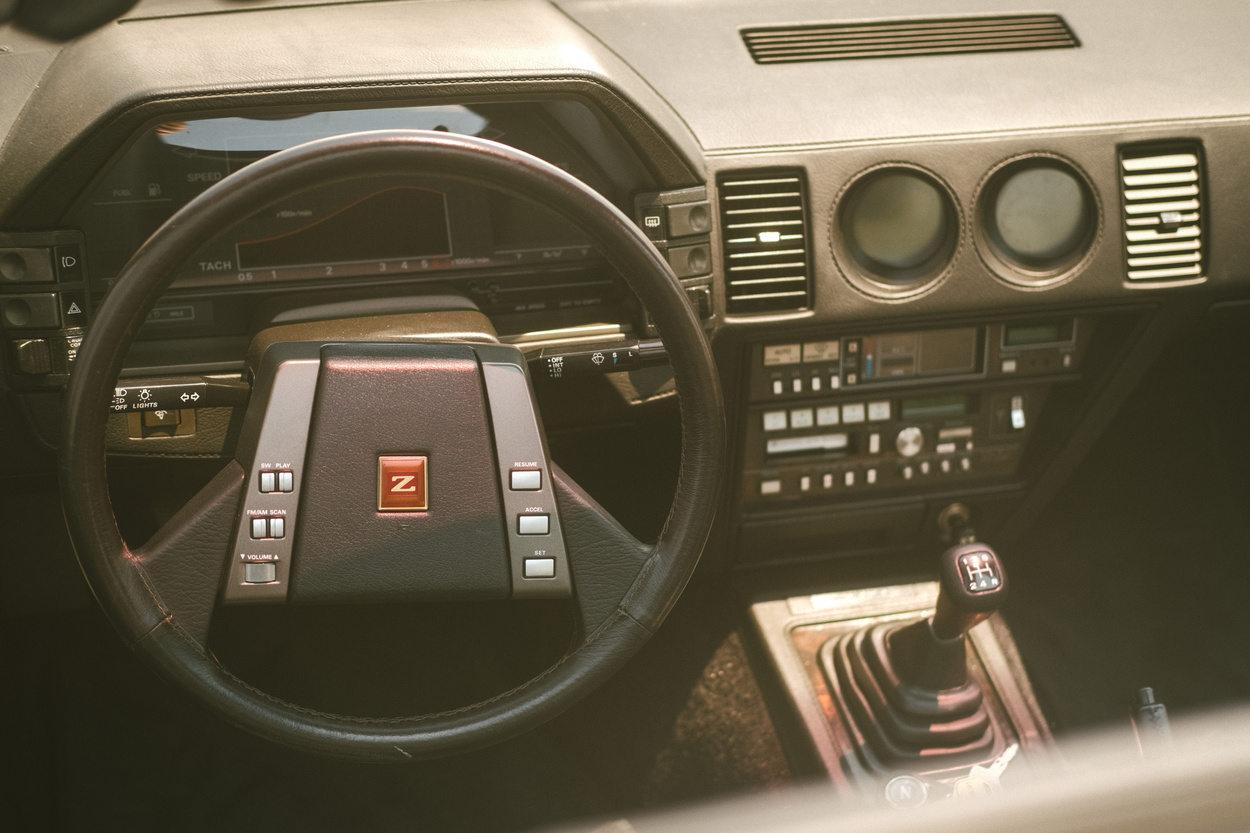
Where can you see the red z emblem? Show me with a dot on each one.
(402, 484)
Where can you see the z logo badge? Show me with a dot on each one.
(402, 484)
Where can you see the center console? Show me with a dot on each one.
(868, 419)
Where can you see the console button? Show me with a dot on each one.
(878, 411)
(286, 481)
(853, 413)
(775, 421)
(533, 524)
(260, 528)
(827, 416)
(770, 487)
(277, 527)
(268, 481)
(801, 418)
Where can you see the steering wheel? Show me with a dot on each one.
(161, 596)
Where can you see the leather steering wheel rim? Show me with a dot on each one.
(134, 603)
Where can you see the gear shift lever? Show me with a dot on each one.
(973, 585)
(907, 686)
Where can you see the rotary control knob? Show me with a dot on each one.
(909, 441)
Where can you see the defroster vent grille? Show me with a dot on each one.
(764, 226)
(1162, 190)
(902, 38)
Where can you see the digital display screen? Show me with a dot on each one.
(396, 223)
(1024, 335)
(934, 407)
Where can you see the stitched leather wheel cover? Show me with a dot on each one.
(117, 578)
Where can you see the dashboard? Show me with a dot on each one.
(925, 273)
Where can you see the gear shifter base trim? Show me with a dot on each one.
(793, 633)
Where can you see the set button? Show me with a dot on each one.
(539, 568)
(276, 481)
(268, 528)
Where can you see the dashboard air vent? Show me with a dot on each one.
(1162, 190)
(764, 225)
(901, 38)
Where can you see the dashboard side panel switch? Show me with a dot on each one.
(525, 480)
(32, 356)
(700, 298)
(540, 568)
(25, 266)
(690, 261)
(689, 218)
(533, 525)
(260, 528)
(30, 312)
(286, 481)
(268, 481)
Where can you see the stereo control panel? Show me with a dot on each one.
(854, 415)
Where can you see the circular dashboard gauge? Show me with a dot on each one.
(898, 229)
(1038, 218)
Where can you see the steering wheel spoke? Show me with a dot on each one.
(604, 558)
(182, 563)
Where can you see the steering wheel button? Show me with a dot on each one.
(540, 568)
(526, 480)
(268, 481)
(286, 481)
(533, 524)
(260, 528)
(262, 573)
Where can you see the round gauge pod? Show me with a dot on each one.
(1037, 220)
(897, 230)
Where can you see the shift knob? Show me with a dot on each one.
(972, 586)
